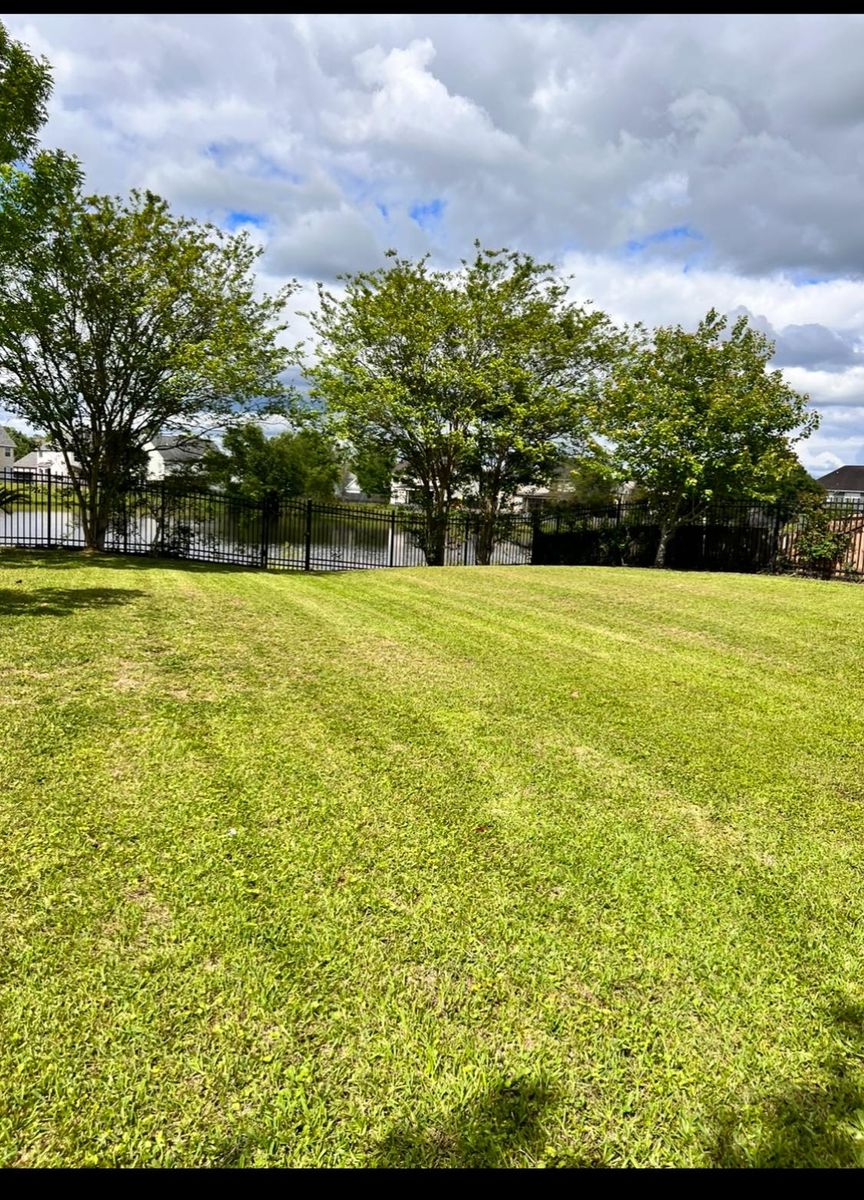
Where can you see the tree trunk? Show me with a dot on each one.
(435, 548)
(667, 528)
(96, 515)
(484, 541)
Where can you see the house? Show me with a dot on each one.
(168, 454)
(43, 459)
(7, 451)
(846, 483)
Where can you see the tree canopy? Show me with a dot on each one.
(120, 320)
(473, 379)
(699, 417)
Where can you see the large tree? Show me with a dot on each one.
(118, 319)
(473, 379)
(301, 462)
(699, 417)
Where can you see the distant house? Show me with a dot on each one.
(42, 459)
(846, 483)
(168, 454)
(7, 451)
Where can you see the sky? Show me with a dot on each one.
(666, 163)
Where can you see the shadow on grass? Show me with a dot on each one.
(60, 602)
(817, 1126)
(59, 560)
(483, 1132)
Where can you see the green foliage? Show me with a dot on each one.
(429, 868)
(821, 543)
(294, 463)
(475, 379)
(796, 489)
(25, 88)
(24, 442)
(121, 319)
(588, 480)
(374, 467)
(698, 417)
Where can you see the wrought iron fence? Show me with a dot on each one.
(826, 540)
(171, 518)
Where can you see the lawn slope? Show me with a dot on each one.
(499, 866)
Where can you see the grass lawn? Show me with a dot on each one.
(500, 866)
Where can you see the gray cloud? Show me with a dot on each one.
(812, 346)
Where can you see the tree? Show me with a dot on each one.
(25, 88)
(475, 379)
(24, 442)
(386, 369)
(294, 463)
(120, 320)
(374, 468)
(698, 417)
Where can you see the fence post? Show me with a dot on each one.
(265, 528)
(125, 522)
(467, 536)
(392, 538)
(162, 514)
(618, 511)
(49, 508)
(307, 563)
(536, 523)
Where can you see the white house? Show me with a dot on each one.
(43, 459)
(167, 454)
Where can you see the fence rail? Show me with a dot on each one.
(171, 518)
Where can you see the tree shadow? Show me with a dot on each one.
(60, 602)
(815, 1126)
(487, 1131)
(65, 559)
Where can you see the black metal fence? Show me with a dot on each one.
(825, 540)
(171, 518)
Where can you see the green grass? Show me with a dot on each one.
(499, 866)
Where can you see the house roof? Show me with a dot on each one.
(29, 460)
(181, 449)
(5, 439)
(844, 479)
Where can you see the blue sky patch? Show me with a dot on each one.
(236, 218)
(676, 233)
(427, 215)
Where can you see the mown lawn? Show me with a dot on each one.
(505, 866)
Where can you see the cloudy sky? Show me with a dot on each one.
(667, 163)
